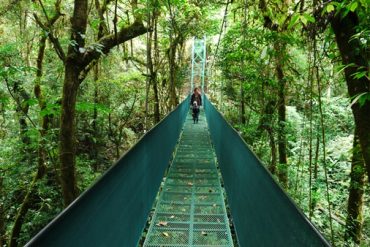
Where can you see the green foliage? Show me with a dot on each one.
(344, 7)
(90, 107)
(361, 99)
(86, 173)
(247, 62)
(112, 100)
(51, 109)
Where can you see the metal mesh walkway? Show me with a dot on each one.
(191, 209)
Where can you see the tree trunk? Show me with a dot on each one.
(41, 152)
(272, 167)
(172, 64)
(72, 69)
(157, 114)
(316, 159)
(94, 152)
(242, 104)
(21, 97)
(356, 195)
(172, 61)
(67, 134)
(266, 117)
(45, 120)
(280, 51)
(150, 64)
(283, 164)
(351, 53)
(22, 212)
(2, 214)
(77, 64)
(265, 123)
(314, 186)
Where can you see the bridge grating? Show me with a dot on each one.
(191, 209)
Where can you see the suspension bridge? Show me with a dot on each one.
(184, 184)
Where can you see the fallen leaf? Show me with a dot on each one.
(214, 205)
(172, 217)
(190, 184)
(162, 223)
(166, 234)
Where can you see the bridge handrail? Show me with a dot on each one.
(114, 211)
(263, 214)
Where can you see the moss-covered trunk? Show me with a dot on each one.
(265, 123)
(41, 151)
(2, 214)
(354, 58)
(77, 64)
(356, 194)
(172, 65)
(72, 69)
(283, 164)
(67, 134)
(152, 64)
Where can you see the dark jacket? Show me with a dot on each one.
(197, 98)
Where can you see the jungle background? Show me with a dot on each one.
(82, 81)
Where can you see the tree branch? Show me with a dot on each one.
(86, 70)
(58, 48)
(103, 28)
(44, 11)
(19, 104)
(106, 43)
(48, 27)
(135, 59)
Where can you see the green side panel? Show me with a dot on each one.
(191, 209)
(262, 213)
(114, 211)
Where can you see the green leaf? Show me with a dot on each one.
(345, 12)
(362, 100)
(50, 109)
(303, 19)
(309, 18)
(95, 23)
(264, 52)
(89, 107)
(32, 101)
(102, 108)
(84, 106)
(343, 67)
(353, 6)
(293, 21)
(357, 98)
(329, 8)
(4, 100)
(359, 74)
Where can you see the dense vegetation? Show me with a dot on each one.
(81, 81)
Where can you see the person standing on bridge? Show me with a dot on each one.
(196, 102)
